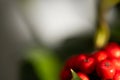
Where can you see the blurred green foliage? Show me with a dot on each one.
(46, 65)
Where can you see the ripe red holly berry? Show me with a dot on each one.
(86, 64)
(116, 63)
(113, 50)
(106, 69)
(72, 63)
(116, 76)
(65, 75)
(100, 55)
(82, 57)
(82, 76)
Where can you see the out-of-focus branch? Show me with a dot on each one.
(103, 33)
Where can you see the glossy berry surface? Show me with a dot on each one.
(106, 69)
(116, 76)
(116, 63)
(103, 64)
(113, 50)
(82, 76)
(100, 55)
(86, 64)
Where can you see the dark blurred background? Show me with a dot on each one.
(37, 36)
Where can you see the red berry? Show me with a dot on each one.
(106, 69)
(83, 76)
(113, 50)
(86, 64)
(72, 63)
(82, 57)
(100, 55)
(116, 63)
(65, 75)
(116, 76)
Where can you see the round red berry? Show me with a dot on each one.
(65, 75)
(106, 69)
(116, 76)
(86, 63)
(72, 63)
(116, 63)
(100, 55)
(113, 50)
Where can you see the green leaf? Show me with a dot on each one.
(45, 63)
(75, 76)
(102, 35)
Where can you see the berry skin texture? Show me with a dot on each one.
(106, 70)
(113, 50)
(116, 63)
(82, 76)
(82, 57)
(100, 55)
(86, 64)
(72, 63)
(65, 75)
(69, 64)
(116, 76)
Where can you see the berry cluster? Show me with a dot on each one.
(100, 65)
